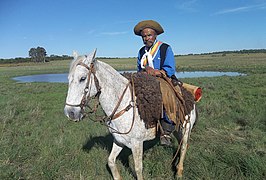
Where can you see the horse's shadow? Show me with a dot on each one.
(106, 143)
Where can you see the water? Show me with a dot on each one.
(62, 78)
(59, 78)
(195, 74)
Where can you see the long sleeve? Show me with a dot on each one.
(169, 63)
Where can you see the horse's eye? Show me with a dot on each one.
(82, 79)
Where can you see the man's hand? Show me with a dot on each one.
(153, 72)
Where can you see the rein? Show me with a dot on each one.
(120, 113)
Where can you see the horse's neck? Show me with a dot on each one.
(112, 86)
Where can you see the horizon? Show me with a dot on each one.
(204, 53)
(191, 26)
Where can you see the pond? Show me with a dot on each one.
(62, 78)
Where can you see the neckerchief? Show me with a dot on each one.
(152, 51)
(155, 48)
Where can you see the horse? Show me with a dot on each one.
(89, 77)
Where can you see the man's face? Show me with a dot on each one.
(148, 36)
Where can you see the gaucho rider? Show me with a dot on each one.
(155, 56)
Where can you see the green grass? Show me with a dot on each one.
(229, 140)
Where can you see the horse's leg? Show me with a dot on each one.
(137, 152)
(183, 149)
(111, 161)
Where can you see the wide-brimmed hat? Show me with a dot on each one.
(148, 24)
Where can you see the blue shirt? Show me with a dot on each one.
(168, 65)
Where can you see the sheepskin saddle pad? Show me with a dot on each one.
(149, 97)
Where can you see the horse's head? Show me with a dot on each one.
(82, 84)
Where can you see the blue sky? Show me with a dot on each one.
(191, 26)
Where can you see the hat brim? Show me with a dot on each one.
(148, 24)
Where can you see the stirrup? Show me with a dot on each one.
(166, 140)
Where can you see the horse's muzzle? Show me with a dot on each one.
(73, 113)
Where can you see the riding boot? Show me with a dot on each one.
(165, 137)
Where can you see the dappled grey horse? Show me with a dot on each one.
(89, 77)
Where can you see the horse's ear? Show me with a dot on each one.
(94, 55)
(75, 54)
(90, 57)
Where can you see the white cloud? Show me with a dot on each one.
(242, 9)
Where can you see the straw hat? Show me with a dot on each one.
(148, 24)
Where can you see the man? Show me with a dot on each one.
(150, 60)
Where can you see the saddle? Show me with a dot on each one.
(157, 93)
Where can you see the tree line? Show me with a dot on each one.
(244, 51)
(39, 54)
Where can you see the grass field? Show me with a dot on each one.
(229, 140)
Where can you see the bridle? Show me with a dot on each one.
(84, 100)
(114, 115)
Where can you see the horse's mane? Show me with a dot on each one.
(113, 72)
